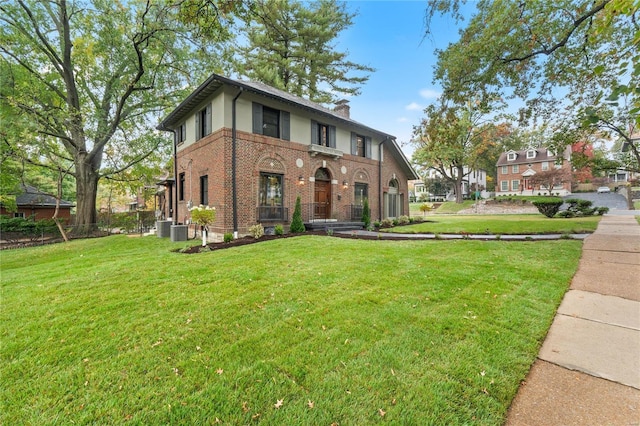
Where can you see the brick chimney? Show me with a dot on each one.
(342, 108)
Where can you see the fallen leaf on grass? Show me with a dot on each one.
(381, 412)
(279, 403)
(310, 404)
(245, 407)
(219, 371)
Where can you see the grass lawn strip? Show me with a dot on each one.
(348, 331)
(525, 224)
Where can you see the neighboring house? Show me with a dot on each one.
(473, 180)
(249, 150)
(32, 202)
(515, 169)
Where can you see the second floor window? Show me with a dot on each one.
(203, 122)
(271, 122)
(323, 134)
(515, 168)
(360, 145)
(505, 170)
(181, 133)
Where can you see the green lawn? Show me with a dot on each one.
(505, 224)
(305, 330)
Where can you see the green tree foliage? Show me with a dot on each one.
(450, 137)
(91, 79)
(366, 214)
(297, 225)
(583, 49)
(291, 46)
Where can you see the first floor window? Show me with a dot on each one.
(204, 190)
(181, 187)
(515, 185)
(504, 185)
(361, 192)
(19, 214)
(270, 198)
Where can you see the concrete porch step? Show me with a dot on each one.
(333, 225)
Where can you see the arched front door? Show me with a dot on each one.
(392, 199)
(322, 194)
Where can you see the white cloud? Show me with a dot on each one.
(403, 120)
(430, 94)
(414, 107)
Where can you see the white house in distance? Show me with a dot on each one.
(473, 179)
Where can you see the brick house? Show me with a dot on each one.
(33, 203)
(249, 150)
(515, 168)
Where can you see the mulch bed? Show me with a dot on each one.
(250, 240)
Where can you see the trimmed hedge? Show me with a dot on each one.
(548, 206)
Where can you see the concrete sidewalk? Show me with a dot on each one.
(588, 369)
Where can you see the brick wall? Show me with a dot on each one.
(211, 156)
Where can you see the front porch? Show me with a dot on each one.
(320, 216)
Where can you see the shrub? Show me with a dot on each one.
(417, 219)
(548, 207)
(426, 207)
(297, 226)
(565, 214)
(377, 224)
(580, 207)
(228, 237)
(256, 231)
(366, 214)
(16, 228)
(386, 223)
(395, 222)
(278, 229)
(403, 220)
(602, 210)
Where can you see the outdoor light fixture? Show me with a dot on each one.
(345, 184)
(300, 180)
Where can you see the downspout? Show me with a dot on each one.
(233, 164)
(380, 195)
(174, 214)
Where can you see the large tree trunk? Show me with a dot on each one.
(86, 195)
(458, 188)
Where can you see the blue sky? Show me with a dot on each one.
(389, 36)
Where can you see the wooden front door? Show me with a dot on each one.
(322, 200)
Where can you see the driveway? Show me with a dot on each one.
(612, 200)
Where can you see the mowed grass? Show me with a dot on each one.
(504, 224)
(307, 330)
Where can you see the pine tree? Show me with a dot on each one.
(366, 214)
(297, 226)
(291, 46)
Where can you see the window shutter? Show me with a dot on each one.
(208, 123)
(198, 133)
(314, 133)
(285, 132)
(354, 144)
(257, 118)
(367, 146)
(332, 136)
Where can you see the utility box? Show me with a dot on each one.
(179, 233)
(163, 228)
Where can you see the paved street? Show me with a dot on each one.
(612, 200)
